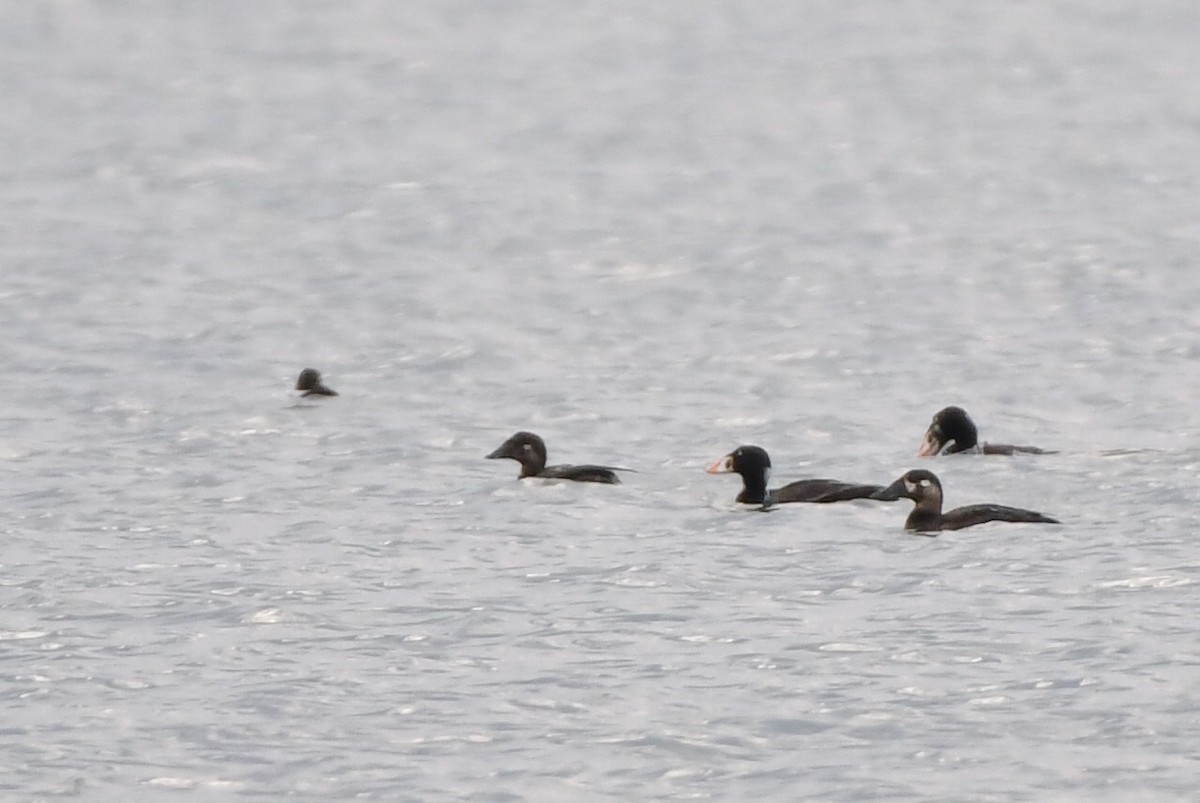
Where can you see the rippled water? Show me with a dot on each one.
(650, 234)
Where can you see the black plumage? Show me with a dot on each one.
(754, 465)
(952, 431)
(309, 381)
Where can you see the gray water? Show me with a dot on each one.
(649, 232)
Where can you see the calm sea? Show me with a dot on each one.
(650, 233)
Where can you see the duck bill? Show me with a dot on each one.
(931, 445)
(719, 467)
(891, 493)
(499, 453)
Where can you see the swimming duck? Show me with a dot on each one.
(952, 431)
(310, 382)
(927, 517)
(530, 451)
(753, 463)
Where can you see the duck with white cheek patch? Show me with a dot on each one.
(530, 451)
(927, 517)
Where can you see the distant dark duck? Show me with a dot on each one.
(530, 451)
(754, 465)
(927, 517)
(310, 383)
(952, 431)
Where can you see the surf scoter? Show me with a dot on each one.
(927, 517)
(530, 451)
(754, 465)
(310, 382)
(952, 431)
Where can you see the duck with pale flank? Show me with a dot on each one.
(953, 432)
(309, 381)
(927, 517)
(754, 465)
(530, 451)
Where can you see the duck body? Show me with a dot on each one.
(309, 381)
(953, 432)
(754, 466)
(529, 450)
(924, 488)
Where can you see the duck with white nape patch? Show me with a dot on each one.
(924, 488)
(754, 465)
(953, 432)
